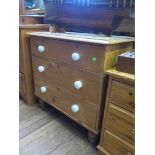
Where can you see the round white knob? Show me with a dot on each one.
(78, 84)
(41, 48)
(43, 89)
(41, 68)
(75, 56)
(75, 108)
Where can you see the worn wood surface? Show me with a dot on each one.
(61, 72)
(63, 50)
(47, 132)
(122, 95)
(118, 132)
(56, 75)
(115, 145)
(121, 75)
(26, 58)
(62, 100)
(121, 122)
(31, 19)
(87, 38)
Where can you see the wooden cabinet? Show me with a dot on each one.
(31, 19)
(91, 15)
(118, 128)
(69, 74)
(25, 69)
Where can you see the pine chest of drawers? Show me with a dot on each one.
(68, 72)
(117, 135)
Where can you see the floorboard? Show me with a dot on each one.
(45, 131)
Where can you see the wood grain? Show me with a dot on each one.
(121, 123)
(118, 133)
(122, 95)
(25, 19)
(56, 74)
(26, 59)
(115, 145)
(62, 51)
(85, 38)
(58, 135)
(63, 101)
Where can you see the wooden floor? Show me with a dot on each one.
(45, 131)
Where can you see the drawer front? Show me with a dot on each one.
(122, 95)
(90, 55)
(81, 55)
(81, 111)
(75, 81)
(121, 123)
(115, 145)
(44, 48)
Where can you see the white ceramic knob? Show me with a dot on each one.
(41, 49)
(75, 108)
(41, 68)
(43, 89)
(75, 56)
(78, 84)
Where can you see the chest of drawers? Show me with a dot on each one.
(68, 74)
(117, 135)
(25, 68)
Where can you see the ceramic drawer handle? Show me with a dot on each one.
(75, 56)
(78, 84)
(128, 153)
(41, 49)
(41, 69)
(75, 108)
(43, 89)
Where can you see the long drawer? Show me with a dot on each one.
(122, 95)
(78, 54)
(81, 111)
(121, 123)
(115, 145)
(84, 84)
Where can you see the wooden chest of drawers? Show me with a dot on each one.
(118, 133)
(69, 74)
(25, 69)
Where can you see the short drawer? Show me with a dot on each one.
(85, 85)
(81, 111)
(122, 95)
(78, 54)
(121, 123)
(115, 145)
(90, 55)
(44, 48)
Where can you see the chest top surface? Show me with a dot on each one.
(85, 37)
(121, 75)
